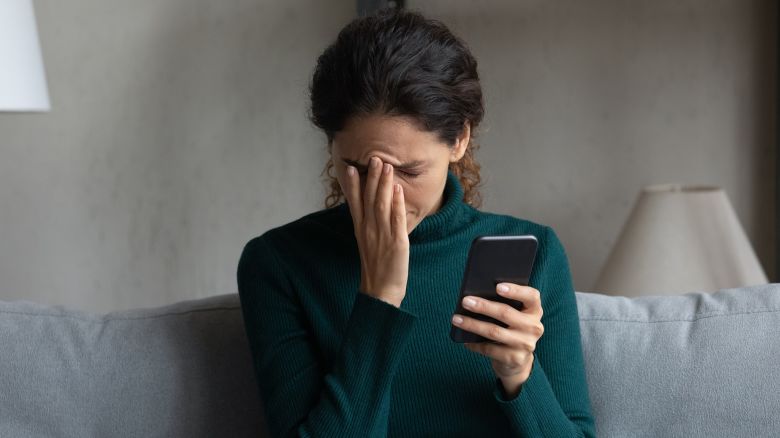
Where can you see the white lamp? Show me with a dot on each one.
(22, 79)
(680, 239)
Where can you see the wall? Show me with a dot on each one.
(587, 102)
(179, 131)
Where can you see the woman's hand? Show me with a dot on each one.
(512, 358)
(379, 218)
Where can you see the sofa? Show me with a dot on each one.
(693, 365)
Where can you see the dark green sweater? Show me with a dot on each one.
(331, 361)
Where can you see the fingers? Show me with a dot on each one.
(369, 193)
(398, 219)
(506, 361)
(510, 358)
(510, 336)
(523, 328)
(485, 329)
(384, 195)
(500, 311)
(352, 194)
(530, 297)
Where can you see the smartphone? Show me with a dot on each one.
(493, 260)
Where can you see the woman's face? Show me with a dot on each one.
(420, 161)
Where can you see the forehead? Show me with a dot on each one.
(387, 136)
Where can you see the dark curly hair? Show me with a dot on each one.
(399, 63)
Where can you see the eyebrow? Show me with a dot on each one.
(409, 165)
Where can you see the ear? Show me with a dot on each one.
(461, 143)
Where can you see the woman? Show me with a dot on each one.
(348, 309)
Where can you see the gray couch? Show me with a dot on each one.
(678, 366)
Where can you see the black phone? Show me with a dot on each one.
(493, 260)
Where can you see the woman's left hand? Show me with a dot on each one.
(513, 356)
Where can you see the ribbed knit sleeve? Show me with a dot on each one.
(554, 401)
(301, 395)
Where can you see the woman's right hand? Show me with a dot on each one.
(379, 218)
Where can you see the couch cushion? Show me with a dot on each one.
(178, 370)
(693, 365)
(690, 365)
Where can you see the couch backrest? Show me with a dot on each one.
(176, 371)
(693, 365)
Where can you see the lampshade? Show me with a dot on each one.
(22, 79)
(680, 239)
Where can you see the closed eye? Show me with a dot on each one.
(403, 172)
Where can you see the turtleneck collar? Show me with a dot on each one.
(452, 214)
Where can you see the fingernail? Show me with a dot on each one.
(457, 319)
(374, 161)
(398, 188)
(469, 302)
(387, 168)
(350, 171)
(503, 288)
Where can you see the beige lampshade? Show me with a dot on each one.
(680, 239)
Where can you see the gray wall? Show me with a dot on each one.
(178, 131)
(589, 101)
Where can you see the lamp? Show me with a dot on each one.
(680, 239)
(22, 79)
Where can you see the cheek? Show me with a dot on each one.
(414, 197)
